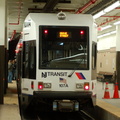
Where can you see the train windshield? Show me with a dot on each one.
(63, 47)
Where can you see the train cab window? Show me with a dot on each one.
(63, 47)
(29, 60)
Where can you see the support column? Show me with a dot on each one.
(2, 48)
(118, 54)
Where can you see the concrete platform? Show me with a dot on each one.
(107, 109)
(10, 109)
(101, 91)
(9, 112)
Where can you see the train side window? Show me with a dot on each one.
(94, 55)
(29, 60)
(32, 60)
(25, 73)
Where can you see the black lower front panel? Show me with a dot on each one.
(43, 100)
(62, 94)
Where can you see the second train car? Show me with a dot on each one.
(58, 64)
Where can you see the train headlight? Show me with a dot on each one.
(47, 85)
(86, 86)
(61, 15)
(40, 85)
(79, 85)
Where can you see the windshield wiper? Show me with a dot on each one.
(70, 75)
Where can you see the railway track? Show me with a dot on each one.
(86, 116)
(62, 116)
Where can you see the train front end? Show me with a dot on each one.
(59, 68)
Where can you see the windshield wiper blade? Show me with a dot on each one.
(70, 75)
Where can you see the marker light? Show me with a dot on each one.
(86, 86)
(82, 32)
(40, 85)
(32, 85)
(45, 31)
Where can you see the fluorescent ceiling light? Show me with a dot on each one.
(116, 23)
(98, 14)
(106, 27)
(106, 34)
(111, 7)
(108, 9)
(113, 32)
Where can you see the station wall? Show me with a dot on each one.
(106, 57)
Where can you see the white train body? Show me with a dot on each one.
(53, 65)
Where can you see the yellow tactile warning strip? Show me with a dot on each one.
(108, 107)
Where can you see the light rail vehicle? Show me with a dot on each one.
(56, 60)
